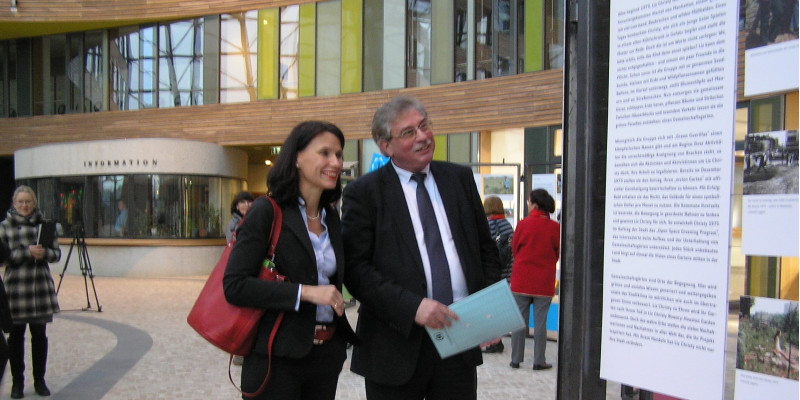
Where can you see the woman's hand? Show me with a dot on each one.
(322, 296)
(37, 252)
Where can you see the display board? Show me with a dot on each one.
(672, 86)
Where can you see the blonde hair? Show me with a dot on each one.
(25, 189)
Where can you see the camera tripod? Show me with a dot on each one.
(79, 239)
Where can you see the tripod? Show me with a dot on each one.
(85, 265)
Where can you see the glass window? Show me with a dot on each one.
(329, 22)
(4, 62)
(458, 148)
(49, 96)
(462, 42)
(93, 72)
(75, 82)
(180, 63)
(373, 45)
(418, 49)
(520, 33)
(766, 115)
(238, 57)
(483, 39)
(503, 48)
(554, 33)
(133, 68)
(137, 206)
(290, 19)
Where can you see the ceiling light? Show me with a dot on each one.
(268, 162)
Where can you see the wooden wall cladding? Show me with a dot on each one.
(524, 100)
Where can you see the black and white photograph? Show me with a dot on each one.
(770, 163)
(769, 21)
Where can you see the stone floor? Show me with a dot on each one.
(140, 347)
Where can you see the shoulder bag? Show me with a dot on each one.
(231, 328)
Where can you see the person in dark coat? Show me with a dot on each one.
(5, 315)
(416, 239)
(239, 206)
(29, 285)
(309, 348)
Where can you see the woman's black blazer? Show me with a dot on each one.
(294, 258)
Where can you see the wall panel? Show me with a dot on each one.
(531, 99)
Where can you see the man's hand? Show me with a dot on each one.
(434, 315)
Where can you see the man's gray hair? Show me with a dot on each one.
(388, 113)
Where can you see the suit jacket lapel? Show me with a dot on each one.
(335, 236)
(393, 193)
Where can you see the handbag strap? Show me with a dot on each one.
(275, 232)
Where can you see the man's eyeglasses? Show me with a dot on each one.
(25, 202)
(408, 133)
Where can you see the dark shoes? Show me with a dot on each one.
(514, 365)
(16, 390)
(495, 348)
(40, 388)
(542, 366)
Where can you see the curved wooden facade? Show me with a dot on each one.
(525, 100)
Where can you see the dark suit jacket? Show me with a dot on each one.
(294, 258)
(384, 267)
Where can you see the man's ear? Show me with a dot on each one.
(385, 149)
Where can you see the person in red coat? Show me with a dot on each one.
(533, 277)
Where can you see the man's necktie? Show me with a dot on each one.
(440, 269)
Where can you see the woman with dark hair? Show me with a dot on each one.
(29, 285)
(239, 206)
(310, 345)
(533, 278)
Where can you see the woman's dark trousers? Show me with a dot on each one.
(16, 351)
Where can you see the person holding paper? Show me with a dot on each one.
(416, 240)
(29, 284)
(536, 247)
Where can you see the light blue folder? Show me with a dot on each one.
(487, 314)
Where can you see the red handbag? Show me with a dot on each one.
(230, 328)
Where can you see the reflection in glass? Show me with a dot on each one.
(74, 73)
(503, 46)
(554, 34)
(483, 39)
(137, 206)
(238, 57)
(133, 65)
(180, 63)
(52, 99)
(288, 52)
(461, 36)
(418, 48)
(93, 72)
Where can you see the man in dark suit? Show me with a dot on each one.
(405, 276)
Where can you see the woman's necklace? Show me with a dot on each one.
(314, 218)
